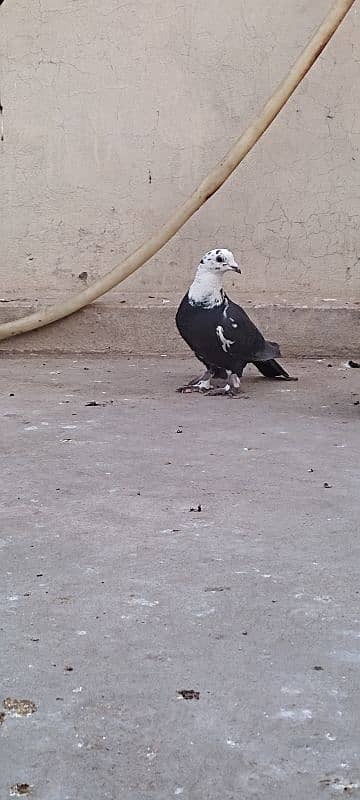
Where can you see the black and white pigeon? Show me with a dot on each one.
(220, 333)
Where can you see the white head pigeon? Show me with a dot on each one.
(220, 333)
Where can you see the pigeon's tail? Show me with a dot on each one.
(269, 351)
(272, 369)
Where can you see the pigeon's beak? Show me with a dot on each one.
(235, 268)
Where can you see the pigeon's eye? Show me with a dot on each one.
(220, 259)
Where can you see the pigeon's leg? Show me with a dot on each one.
(235, 385)
(201, 384)
(231, 388)
(220, 390)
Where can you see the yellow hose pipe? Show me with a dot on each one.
(206, 189)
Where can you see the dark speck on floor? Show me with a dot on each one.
(188, 694)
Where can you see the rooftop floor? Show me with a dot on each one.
(160, 543)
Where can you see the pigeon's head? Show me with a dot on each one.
(220, 260)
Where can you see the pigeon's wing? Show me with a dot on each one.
(247, 343)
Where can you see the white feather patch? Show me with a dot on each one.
(225, 343)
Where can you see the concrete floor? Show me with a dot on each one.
(116, 595)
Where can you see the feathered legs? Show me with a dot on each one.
(201, 384)
(208, 383)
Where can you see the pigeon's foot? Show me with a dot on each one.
(214, 386)
(238, 394)
(201, 384)
(232, 388)
(191, 388)
(227, 391)
(218, 391)
(288, 378)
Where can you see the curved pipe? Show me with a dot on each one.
(206, 189)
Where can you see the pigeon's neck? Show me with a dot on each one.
(206, 289)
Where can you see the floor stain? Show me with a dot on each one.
(340, 785)
(217, 589)
(19, 789)
(188, 694)
(23, 708)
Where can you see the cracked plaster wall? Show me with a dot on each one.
(113, 112)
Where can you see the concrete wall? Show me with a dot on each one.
(114, 111)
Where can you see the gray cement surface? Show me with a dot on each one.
(118, 592)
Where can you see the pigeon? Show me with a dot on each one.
(220, 333)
